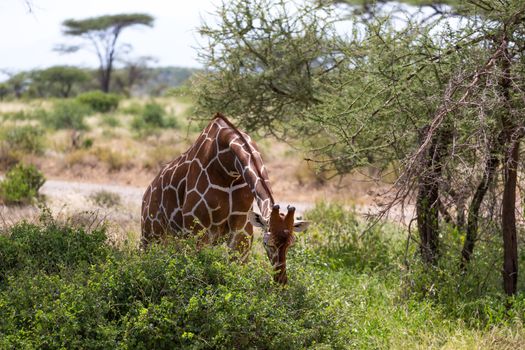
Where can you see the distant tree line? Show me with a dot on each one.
(99, 35)
(68, 81)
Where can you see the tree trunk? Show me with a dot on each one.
(508, 220)
(510, 175)
(105, 79)
(460, 213)
(427, 201)
(473, 212)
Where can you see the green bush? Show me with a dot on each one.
(63, 287)
(110, 121)
(168, 297)
(21, 184)
(49, 248)
(343, 241)
(153, 115)
(87, 143)
(133, 108)
(35, 114)
(67, 114)
(99, 101)
(26, 138)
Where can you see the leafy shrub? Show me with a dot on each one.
(63, 287)
(67, 114)
(166, 298)
(110, 121)
(343, 240)
(87, 143)
(153, 116)
(21, 184)
(35, 114)
(106, 199)
(99, 101)
(26, 138)
(133, 108)
(49, 247)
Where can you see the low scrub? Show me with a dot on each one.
(106, 199)
(31, 114)
(161, 154)
(25, 138)
(67, 114)
(99, 101)
(49, 248)
(64, 287)
(81, 157)
(153, 115)
(21, 185)
(110, 120)
(115, 160)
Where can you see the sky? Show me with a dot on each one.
(29, 36)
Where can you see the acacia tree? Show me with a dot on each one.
(58, 80)
(441, 103)
(102, 34)
(17, 82)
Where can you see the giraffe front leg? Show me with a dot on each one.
(241, 243)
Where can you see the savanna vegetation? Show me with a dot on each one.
(420, 100)
(65, 286)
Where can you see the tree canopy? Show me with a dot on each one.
(434, 98)
(102, 33)
(114, 23)
(59, 80)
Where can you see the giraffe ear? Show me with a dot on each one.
(257, 220)
(300, 225)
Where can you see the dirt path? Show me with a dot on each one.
(77, 195)
(66, 198)
(70, 197)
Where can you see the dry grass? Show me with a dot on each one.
(106, 199)
(118, 155)
(114, 159)
(501, 338)
(79, 157)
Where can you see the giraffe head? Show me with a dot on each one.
(278, 236)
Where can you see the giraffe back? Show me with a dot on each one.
(210, 188)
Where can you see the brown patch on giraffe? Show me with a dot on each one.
(177, 222)
(205, 150)
(201, 211)
(171, 202)
(191, 179)
(224, 180)
(237, 222)
(225, 159)
(202, 183)
(243, 194)
(218, 198)
(192, 197)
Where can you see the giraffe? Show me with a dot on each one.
(211, 188)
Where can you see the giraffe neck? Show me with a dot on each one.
(248, 163)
